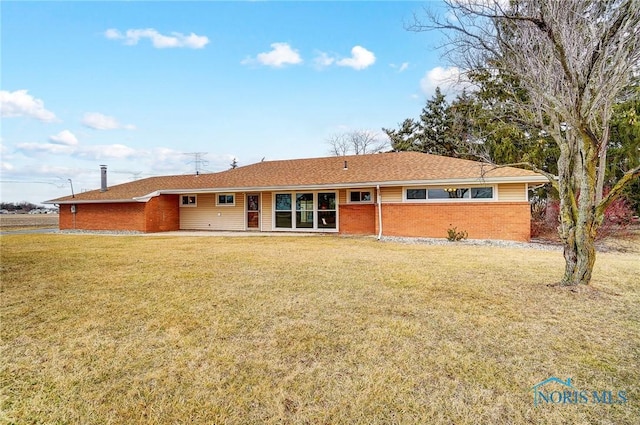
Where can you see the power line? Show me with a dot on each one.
(198, 160)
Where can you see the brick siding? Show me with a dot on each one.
(357, 219)
(160, 214)
(163, 214)
(116, 216)
(481, 220)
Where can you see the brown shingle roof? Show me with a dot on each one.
(389, 168)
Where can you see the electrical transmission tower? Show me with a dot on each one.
(198, 161)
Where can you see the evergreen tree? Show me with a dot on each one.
(431, 133)
(406, 137)
(435, 125)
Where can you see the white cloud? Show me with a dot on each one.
(19, 103)
(280, 55)
(450, 80)
(115, 151)
(65, 137)
(5, 166)
(48, 148)
(361, 58)
(323, 60)
(96, 152)
(401, 68)
(164, 159)
(99, 121)
(159, 41)
(113, 34)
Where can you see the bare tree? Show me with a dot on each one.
(575, 58)
(359, 142)
(339, 144)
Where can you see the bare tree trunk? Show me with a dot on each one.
(567, 226)
(580, 215)
(579, 250)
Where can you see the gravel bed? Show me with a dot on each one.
(101, 232)
(398, 239)
(474, 242)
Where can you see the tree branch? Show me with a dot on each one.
(553, 179)
(616, 190)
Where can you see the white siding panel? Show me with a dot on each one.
(208, 216)
(391, 194)
(266, 211)
(512, 192)
(342, 196)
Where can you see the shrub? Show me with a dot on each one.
(453, 235)
(617, 218)
(545, 217)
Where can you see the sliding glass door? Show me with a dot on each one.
(305, 210)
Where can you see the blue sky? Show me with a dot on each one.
(138, 85)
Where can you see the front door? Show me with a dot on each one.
(253, 211)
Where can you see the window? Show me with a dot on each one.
(449, 193)
(310, 210)
(364, 196)
(418, 194)
(225, 199)
(304, 210)
(283, 211)
(482, 192)
(188, 201)
(327, 210)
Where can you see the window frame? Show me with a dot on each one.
(469, 191)
(293, 194)
(290, 211)
(193, 204)
(493, 191)
(369, 201)
(225, 204)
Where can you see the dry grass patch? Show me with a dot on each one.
(28, 221)
(104, 329)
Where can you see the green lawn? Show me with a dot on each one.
(132, 329)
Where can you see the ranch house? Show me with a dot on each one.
(387, 194)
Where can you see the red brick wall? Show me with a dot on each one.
(117, 216)
(162, 214)
(357, 219)
(481, 220)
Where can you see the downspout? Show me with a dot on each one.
(379, 211)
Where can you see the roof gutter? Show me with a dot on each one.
(328, 186)
(349, 185)
(92, 201)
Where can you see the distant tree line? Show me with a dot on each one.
(356, 142)
(19, 206)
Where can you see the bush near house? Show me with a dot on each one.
(618, 219)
